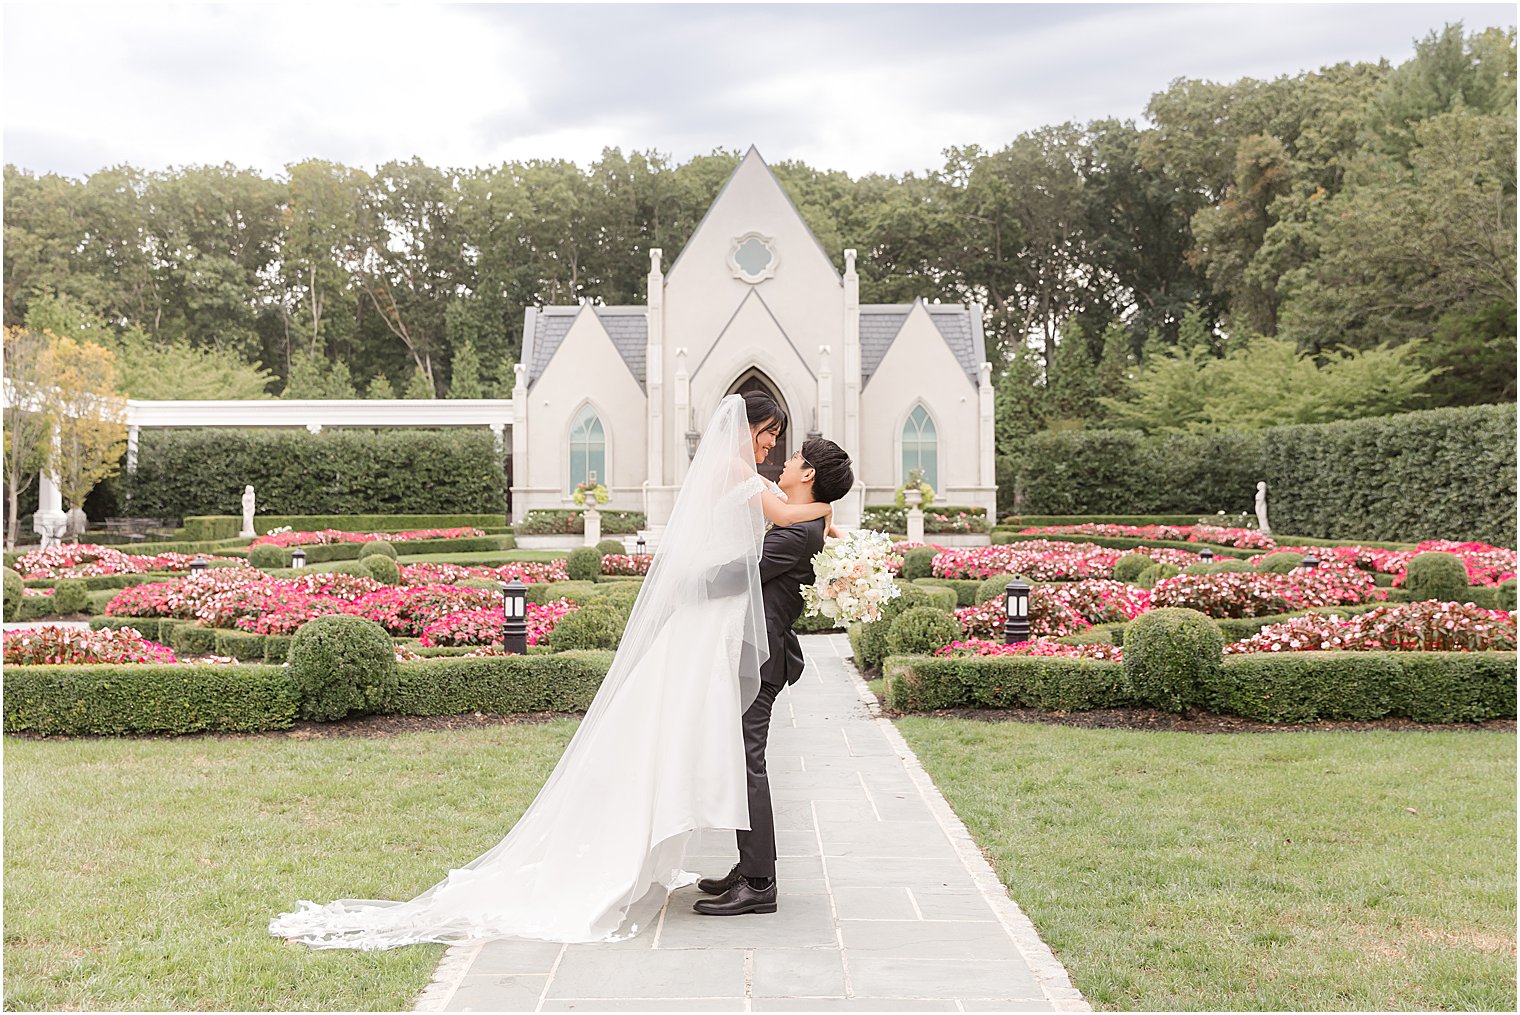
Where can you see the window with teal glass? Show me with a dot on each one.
(588, 449)
(920, 447)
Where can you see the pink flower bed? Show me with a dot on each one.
(626, 564)
(1407, 627)
(1049, 617)
(1033, 647)
(53, 644)
(83, 560)
(483, 626)
(1046, 560)
(1248, 594)
(340, 536)
(1101, 600)
(529, 571)
(1248, 539)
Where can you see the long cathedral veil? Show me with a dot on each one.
(658, 754)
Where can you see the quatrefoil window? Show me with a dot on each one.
(753, 258)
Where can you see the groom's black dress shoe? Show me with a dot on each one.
(717, 886)
(741, 898)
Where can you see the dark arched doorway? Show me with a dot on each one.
(755, 380)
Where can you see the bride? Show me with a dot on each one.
(659, 753)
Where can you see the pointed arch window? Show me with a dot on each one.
(920, 446)
(588, 449)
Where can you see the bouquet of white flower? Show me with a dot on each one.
(853, 578)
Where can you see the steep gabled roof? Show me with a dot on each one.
(544, 328)
(960, 327)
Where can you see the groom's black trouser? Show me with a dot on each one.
(757, 847)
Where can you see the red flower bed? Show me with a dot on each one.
(1407, 627)
(54, 645)
(340, 536)
(407, 611)
(629, 564)
(1034, 647)
(1249, 539)
(483, 626)
(1102, 600)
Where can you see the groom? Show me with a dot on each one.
(820, 472)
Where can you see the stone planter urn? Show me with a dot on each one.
(914, 498)
(593, 525)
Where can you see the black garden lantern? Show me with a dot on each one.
(1016, 604)
(640, 546)
(198, 565)
(514, 604)
(1206, 555)
(1311, 560)
(693, 438)
(298, 557)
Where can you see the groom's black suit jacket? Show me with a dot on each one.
(785, 566)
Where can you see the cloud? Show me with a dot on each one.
(863, 88)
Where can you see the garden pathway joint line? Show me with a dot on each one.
(886, 902)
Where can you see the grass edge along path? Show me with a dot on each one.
(141, 874)
(1284, 871)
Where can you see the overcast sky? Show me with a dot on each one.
(863, 88)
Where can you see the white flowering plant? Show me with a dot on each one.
(854, 579)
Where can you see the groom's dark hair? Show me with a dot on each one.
(832, 475)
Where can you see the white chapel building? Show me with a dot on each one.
(619, 394)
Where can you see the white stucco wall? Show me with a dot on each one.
(585, 369)
(919, 368)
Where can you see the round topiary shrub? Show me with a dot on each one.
(922, 630)
(381, 568)
(1128, 567)
(607, 546)
(993, 588)
(267, 555)
(620, 594)
(1230, 564)
(350, 567)
(13, 587)
(71, 596)
(1199, 567)
(873, 636)
(595, 625)
(379, 546)
(941, 597)
(919, 562)
(584, 565)
(1440, 576)
(342, 664)
(1172, 656)
(1507, 594)
(1279, 562)
(1148, 578)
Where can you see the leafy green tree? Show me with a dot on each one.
(464, 380)
(379, 387)
(314, 376)
(419, 386)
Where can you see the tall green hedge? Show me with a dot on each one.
(1436, 474)
(147, 698)
(335, 472)
(217, 527)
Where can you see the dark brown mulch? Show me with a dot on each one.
(1195, 722)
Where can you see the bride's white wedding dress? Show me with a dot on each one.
(659, 754)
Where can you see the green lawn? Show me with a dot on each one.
(142, 874)
(1290, 871)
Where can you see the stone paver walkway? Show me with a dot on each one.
(886, 904)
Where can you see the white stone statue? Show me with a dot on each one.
(248, 532)
(1261, 508)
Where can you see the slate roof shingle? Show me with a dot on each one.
(628, 327)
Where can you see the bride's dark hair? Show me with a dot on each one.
(759, 407)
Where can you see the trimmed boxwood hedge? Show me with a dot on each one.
(220, 527)
(556, 521)
(321, 553)
(1001, 537)
(349, 471)
(113, 700)
(1285, 687)
(563, 682)
(965, 589)
(1444, 474)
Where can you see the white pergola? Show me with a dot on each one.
(315, 415)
